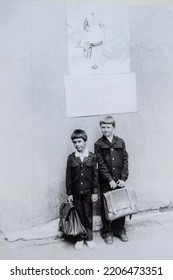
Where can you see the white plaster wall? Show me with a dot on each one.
(35, 133)
(152, 60)
(33, 56)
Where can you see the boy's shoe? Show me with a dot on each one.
(79, 245)
(60, 234)
(91, 244)
(122, 235)
(108, 240)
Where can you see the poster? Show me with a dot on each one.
(98, 38)
(88, 95)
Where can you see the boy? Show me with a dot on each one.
(113, 172)
(82, 185)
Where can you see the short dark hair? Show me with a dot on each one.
(107, 120)
(79, 133)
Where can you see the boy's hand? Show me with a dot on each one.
(112, 184)
(120, 183)
(94, 197)
(70, 198)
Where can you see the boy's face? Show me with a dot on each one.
(79, 144)
(107, 129)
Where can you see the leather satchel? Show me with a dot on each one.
(70, 223)
(119, 203)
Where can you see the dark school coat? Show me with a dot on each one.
(81, 177)
(112, 161)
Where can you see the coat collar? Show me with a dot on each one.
(105, 140)
(85, 154)
(85, 158)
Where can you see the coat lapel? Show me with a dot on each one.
(77, 159)
(87, 158)
(114, 140)
(107, 144)
(106, 141)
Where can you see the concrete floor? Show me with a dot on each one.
(150, 237)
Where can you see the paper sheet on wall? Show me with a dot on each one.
(88, 95)
(98, 38)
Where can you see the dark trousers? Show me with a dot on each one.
(113, 227)
(85, 209)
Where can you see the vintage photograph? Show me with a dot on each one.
(86, 94)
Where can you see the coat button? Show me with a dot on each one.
(81, 174)
(112, 150)
(81, 183)
(113, 168)
(81, 165)
(113, 158)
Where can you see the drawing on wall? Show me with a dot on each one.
(98, 38)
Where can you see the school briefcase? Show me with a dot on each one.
(70, 223)
(119, 203)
